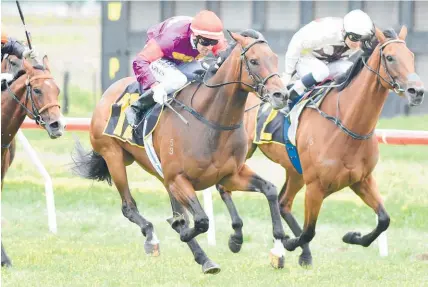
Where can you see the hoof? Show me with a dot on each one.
(305, 260)
(352, 237)
(210, 267)
(276, 261)
(152, 249)
(234, 245)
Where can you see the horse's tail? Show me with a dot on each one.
(90, 165)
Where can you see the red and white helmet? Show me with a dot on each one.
(206, 24)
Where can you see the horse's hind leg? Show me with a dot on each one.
(288, 192)
(236, 239)
(369, 193)
(247, 180)
(178, 222)
(114, 158)
(5, 261)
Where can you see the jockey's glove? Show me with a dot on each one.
(159, 94)
(29, 53)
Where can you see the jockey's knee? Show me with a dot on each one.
(321, 73)
(177, 81)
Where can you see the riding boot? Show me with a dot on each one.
(134, 112)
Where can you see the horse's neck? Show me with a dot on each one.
(365, 98)
(12, 114)
(224, 105)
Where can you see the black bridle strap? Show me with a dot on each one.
(35, 113)
(244, 59)
(393, 84)
(259, 87)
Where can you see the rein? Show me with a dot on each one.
(259, 88)
(395, 86)
(260, 83)
(34, 113)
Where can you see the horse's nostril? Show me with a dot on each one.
(54, 125)
(411, 91)
(420, 93)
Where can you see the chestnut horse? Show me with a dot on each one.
(210, 149)
(33, 94)
(334, 158)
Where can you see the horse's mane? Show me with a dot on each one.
(356, 68)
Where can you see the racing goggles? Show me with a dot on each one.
(207, 42)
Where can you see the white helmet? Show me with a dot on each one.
(359, 23)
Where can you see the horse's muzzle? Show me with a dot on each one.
(414, 90)
(278, 99)
(55, 129)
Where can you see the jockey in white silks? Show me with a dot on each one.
(320, 50)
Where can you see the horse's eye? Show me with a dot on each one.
(389, 58)
(37, 92)
(254, 62)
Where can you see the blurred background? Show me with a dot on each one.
(92, 44)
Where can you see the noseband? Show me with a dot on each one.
(392, 82)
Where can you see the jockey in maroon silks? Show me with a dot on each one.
(171, 55)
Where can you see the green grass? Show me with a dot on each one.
(97, 246)
(81, 102)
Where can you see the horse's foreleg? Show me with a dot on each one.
(288, 192)
(248, 180)
(5, 261)
(117, 170)
(236, 239)
(369, 193)
(184, 193)
(313, 201)
(179, 222)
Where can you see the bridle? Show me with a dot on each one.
(392, 82)
(259, 87)
(34, 113)
(259, 83)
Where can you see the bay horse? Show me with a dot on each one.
(210, 149)
(333, 158)
(33, 93)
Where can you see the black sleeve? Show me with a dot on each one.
(13, 47)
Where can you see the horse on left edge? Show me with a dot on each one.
(33, 93)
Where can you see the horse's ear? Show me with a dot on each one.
(46, 63)
(403, 33)
(380, 36)
(238, 38)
